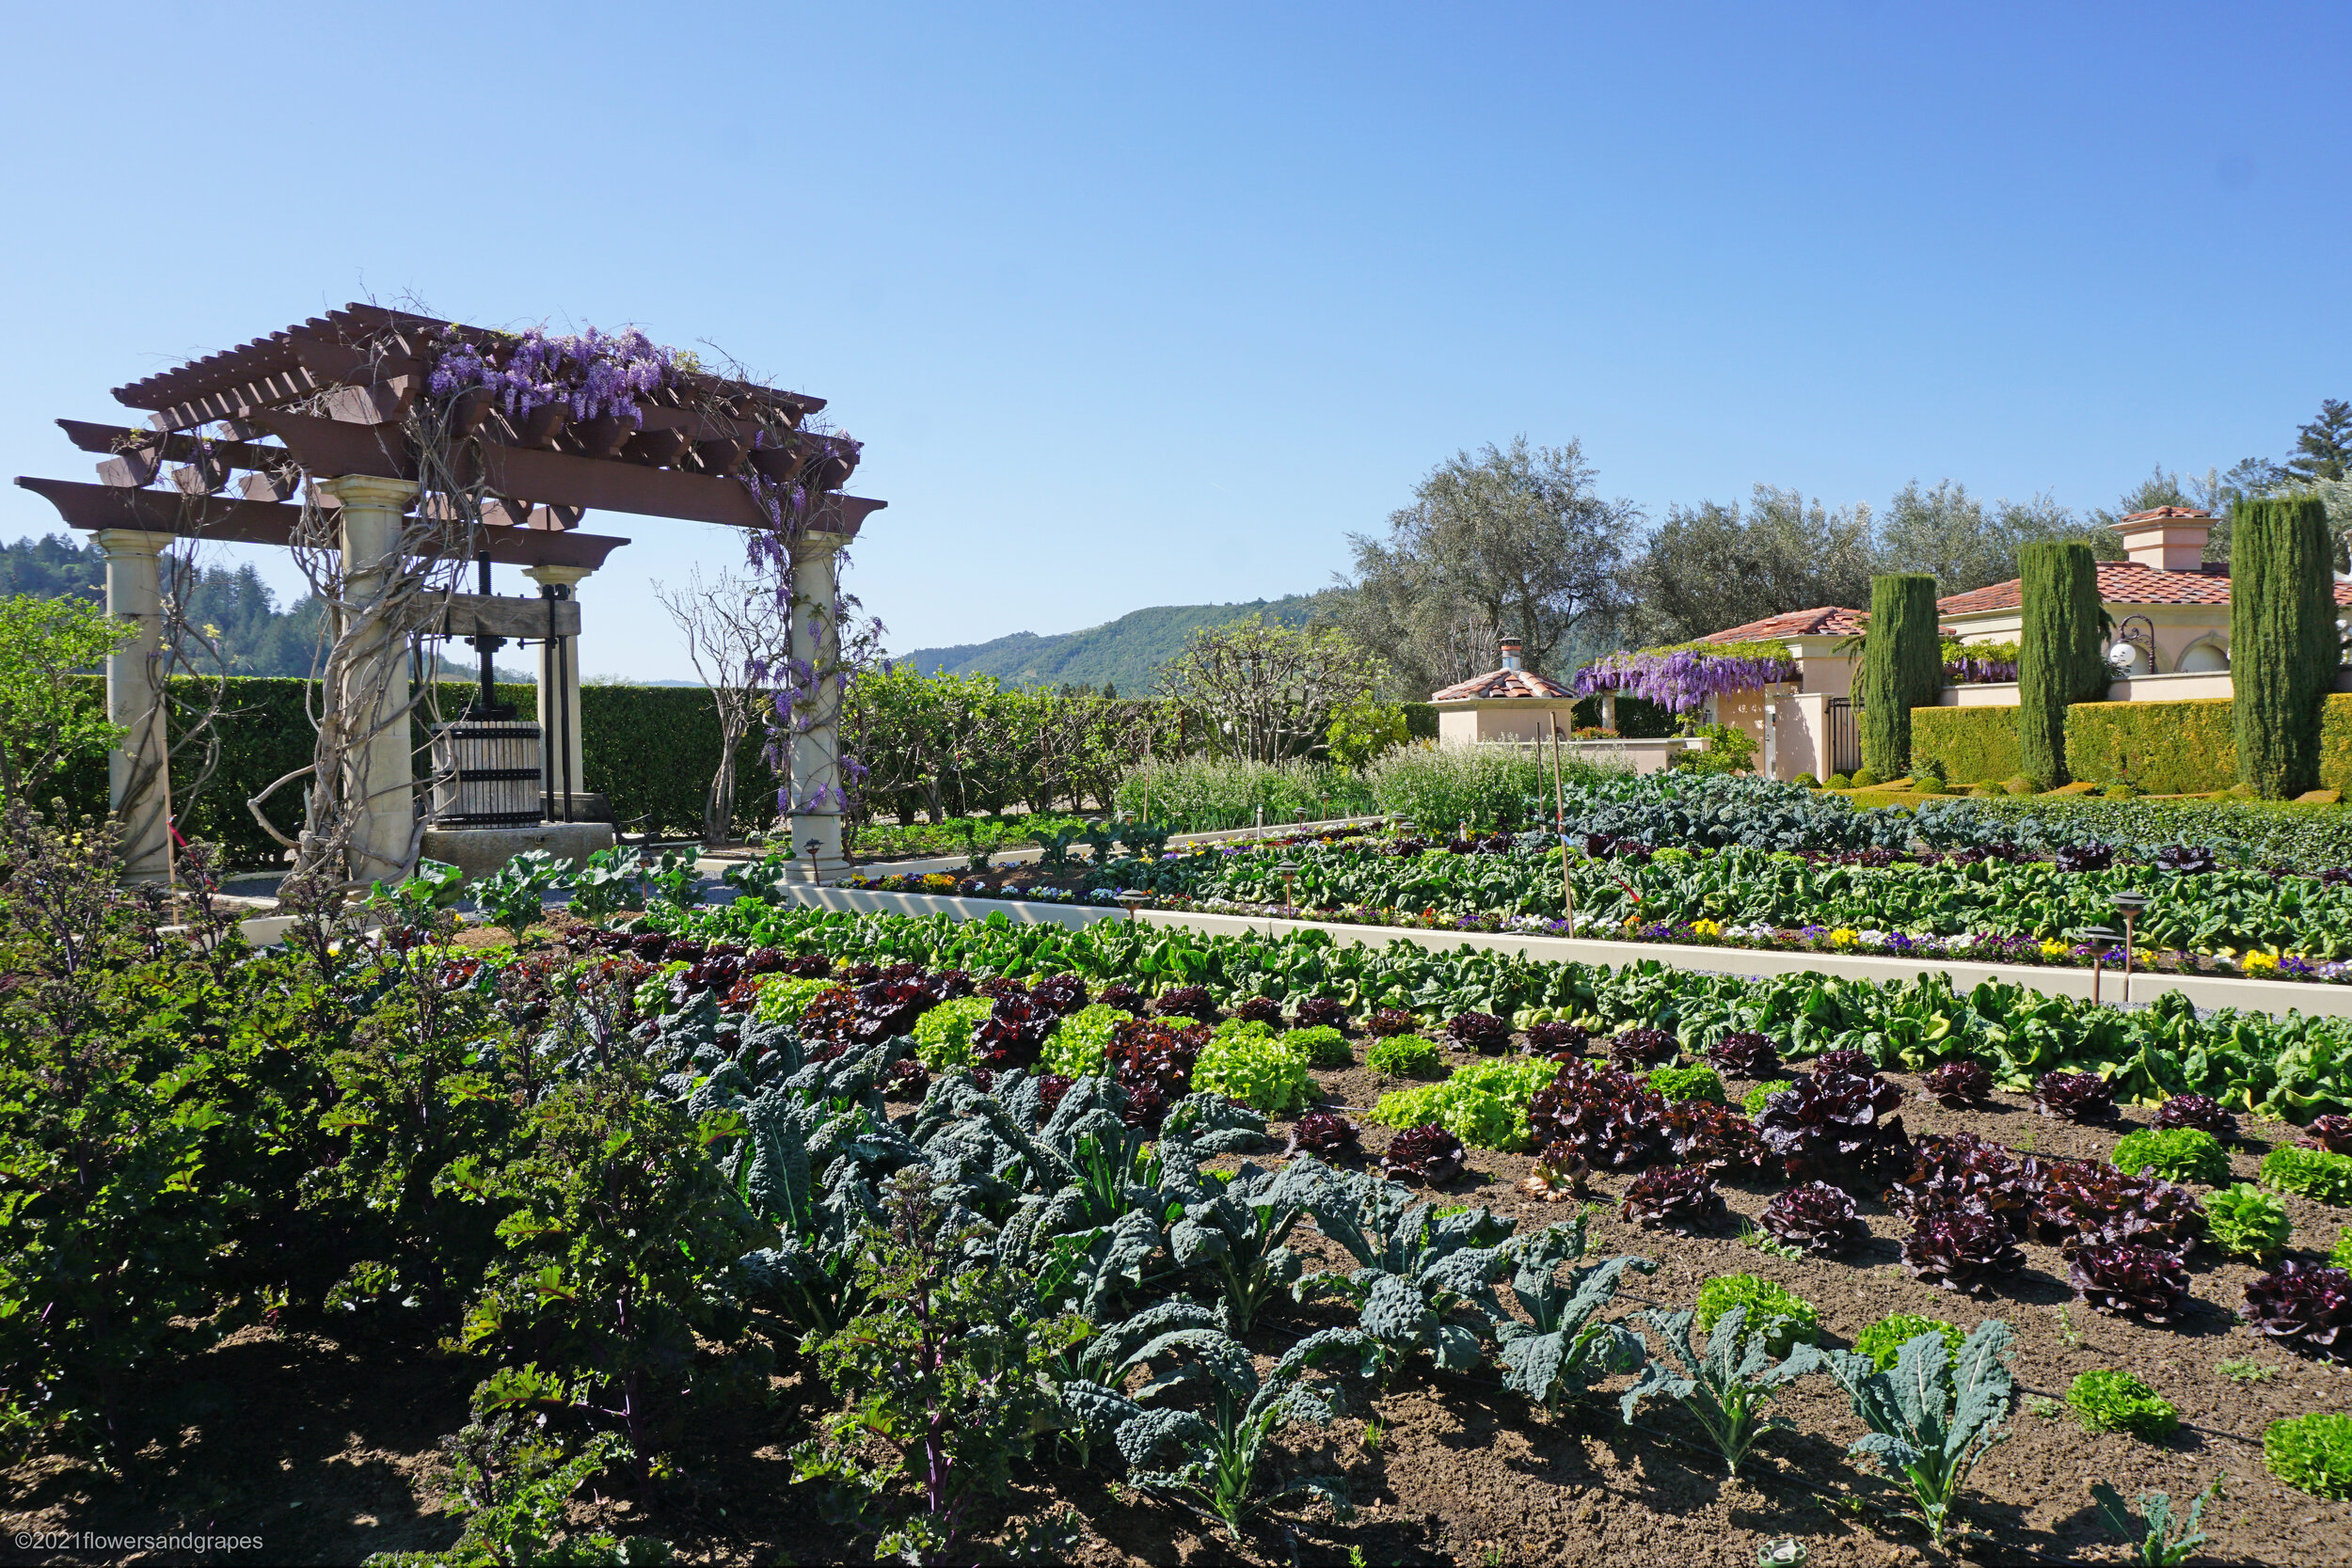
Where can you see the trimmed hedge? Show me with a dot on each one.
(2283, 639)
(2183, 747)
(1974, 745)
(651, 749)
(1902, 664)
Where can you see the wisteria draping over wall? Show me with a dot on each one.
(1978, 672)
(1681, 679)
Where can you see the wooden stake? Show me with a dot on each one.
(1560, 826)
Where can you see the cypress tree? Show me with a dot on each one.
(1902, 665)
(2283, 639)
(2057, 655)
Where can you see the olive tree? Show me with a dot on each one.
(1264, 693)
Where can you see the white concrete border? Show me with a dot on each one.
(2276, 998)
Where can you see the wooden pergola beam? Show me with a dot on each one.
(240, 522)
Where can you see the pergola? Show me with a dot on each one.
(320, 411)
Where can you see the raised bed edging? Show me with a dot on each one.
(2276, 998)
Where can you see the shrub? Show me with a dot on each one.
(1864, 778)
(1883, 1338)
(1687, 1082)
(2312, 1453)
(1403, 1057)
(2283, 639)
(943, 1037)
(2177, 1154)
(1806, 781)
(2246, 1221)
(2178, 748)
(1786, 1318)
(2311, 1173)
(1753, 1103)
(2058, 654)
(1902, 666)
(1248, 1064)
(1967, 745)
(1838, 780)
(2108, 1401)
(1324, 1046)
(1079, 1045)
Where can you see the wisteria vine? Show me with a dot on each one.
(1681, 679)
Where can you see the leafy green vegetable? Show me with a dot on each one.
(1325, 1046)
(2312, 1453)
(1687, 1082)
(2177, 1154)
(1078, 1044)
(2110, 1401)
(1483, 1103)
(784, 999)
(2245, 1222)
(1556, 1356)
(2151, 1529)
(1401, 1056)
(1251, 1065)
(1753, 1101)
(943, 1036)
(1782, 1316)
(1726, 1387)
(1884, 1338)
(2314, 1173)
(1932, 1417)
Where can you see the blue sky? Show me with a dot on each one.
(1146, 305)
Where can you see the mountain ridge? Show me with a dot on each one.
(1124, 653)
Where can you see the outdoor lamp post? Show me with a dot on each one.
(1290, 884)
(1133, 899)
(2128, 905)
(2102, 939)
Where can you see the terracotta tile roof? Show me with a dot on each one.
(1826, 621)
(1499, 683)
(2120, 582)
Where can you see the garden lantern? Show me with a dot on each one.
(2128, 905)
(1290, 884)
(1133, 899)
(2101, 939)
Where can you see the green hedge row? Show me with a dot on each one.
(2180, 748)
(651, 749)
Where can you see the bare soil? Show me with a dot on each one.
(325, 1448)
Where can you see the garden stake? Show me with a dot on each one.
(1560, 826)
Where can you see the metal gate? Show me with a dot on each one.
(1845, 734)
(486, 774)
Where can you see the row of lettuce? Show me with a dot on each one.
(2294, 1067)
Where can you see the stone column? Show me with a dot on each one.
(381, 768)
(138, 772)
(817, 798)
(559, 691)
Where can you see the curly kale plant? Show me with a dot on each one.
(1210, 1457)
(1726, 1387)
(2312, 1173)
(2304, 1306)
(2104, 1400)
(2246, 1221)
(2175, 1153)
(1933, 1416)
(1817, 1217)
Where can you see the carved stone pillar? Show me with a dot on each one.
(379, 772)
(138, 773)
(815, 788)
(558, 692)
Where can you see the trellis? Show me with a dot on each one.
(333, 435)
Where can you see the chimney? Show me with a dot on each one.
(2170, 538)
(1510, 653)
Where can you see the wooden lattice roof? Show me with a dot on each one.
(327, 398)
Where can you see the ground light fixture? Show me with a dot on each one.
(1134, 898)
(2101, 940)
(2128, 903)
(1290, 884)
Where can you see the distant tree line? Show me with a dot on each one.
(1517, 541)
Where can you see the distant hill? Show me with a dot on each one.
(1124, 653)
